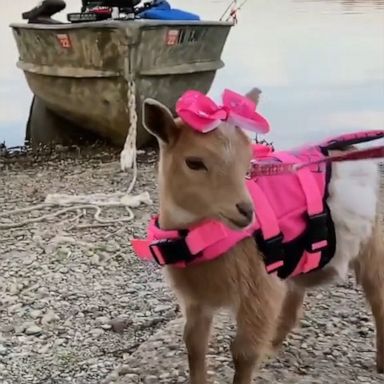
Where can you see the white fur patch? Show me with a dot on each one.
(179, 215)
(353, 200)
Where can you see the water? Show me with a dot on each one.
(319, 63)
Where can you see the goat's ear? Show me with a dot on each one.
(158, 120)
(254, 95)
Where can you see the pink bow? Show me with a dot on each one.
(202, 114)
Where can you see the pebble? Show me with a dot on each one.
(161, 308)
(97, 332)
(15, 308)
(22, 327)
(95, 260)
(49, 317)
(59, 342)
(102, 320)
(35, 313)
(14, 289)
(33, 330)
(151, 379)
(112, 377)
(40, 304)
(43, 292)
(131, 377)
(120, 324)
(3, 350)
(44, 349)
(7, 328)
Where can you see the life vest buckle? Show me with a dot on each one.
(272, 250)
(317, 234)
(170, 251)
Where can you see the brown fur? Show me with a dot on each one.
(369, 271)
(266, 308)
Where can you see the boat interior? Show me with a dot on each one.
(91, 10)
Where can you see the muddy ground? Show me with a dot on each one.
(76, 306)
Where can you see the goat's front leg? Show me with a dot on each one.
(196, 336)
(256, 325)
(245, 357)
(290, 313)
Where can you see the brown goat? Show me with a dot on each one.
(202, 176)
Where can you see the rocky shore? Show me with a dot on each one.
(76, 306)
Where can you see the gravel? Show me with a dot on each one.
(74, 303)
(76, 306)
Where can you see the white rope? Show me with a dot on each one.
(128, 154)
(97, 201)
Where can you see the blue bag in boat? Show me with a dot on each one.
(163, 11)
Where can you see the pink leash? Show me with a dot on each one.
(284, 168)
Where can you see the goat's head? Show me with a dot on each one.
(201, 175)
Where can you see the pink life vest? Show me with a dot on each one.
(293, 226)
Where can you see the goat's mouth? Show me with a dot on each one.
(235, 224)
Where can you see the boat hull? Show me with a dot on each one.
(82, 71)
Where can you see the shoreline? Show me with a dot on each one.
(78, 307)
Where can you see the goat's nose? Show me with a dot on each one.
(246, 209)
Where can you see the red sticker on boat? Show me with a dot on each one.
(172, 37)
(64, 40)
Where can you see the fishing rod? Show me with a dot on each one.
(233, 11)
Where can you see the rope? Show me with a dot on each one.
(128, 155)
(95, 202)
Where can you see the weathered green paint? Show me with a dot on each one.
(86, 83)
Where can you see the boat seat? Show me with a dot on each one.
(41, 14)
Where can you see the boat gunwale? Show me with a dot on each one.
(117, 24)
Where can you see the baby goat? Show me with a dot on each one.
(203, 179)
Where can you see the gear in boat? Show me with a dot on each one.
(97, 10)
(43, 12)
(103, 9)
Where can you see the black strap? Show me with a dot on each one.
(317, 230)
(272, 249)
(172, 251)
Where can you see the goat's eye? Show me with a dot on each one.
(195, 164)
